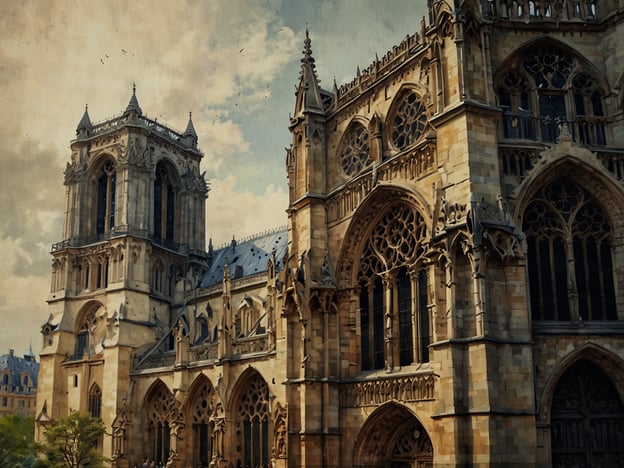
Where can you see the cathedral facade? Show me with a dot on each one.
(449, 289)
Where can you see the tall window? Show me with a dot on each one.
(550, 89)
(408, 120)
(106, 184)
(161, 407)
(164, 204)
(354, 150)
(253, 424)
(394, 320)
(203, 426)
(570, 263)
(89, 322)
(95, 401)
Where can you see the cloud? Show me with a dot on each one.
(242, 213)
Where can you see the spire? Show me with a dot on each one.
(308, 91)
(133, 105)
(84, 126)
(190, 129)
(190, 135)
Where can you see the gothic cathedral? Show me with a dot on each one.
(449, 289)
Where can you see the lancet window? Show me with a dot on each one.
(354, 150)
(164, 204)
(408, 120)
(105, 201)
(252, 426)
(161, 407)
(550, 90)
(394, 319)
(203, 426)
(95, 401)
(88, 324)
(570, 249)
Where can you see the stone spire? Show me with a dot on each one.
(84, 126)
(308, 92)
(190, 134)
(133, 105)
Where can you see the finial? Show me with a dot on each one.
(133, 105)
(84, 126)
(190, 129)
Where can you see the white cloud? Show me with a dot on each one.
(242, 213)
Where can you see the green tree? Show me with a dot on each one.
(72, 442)
(17, 434)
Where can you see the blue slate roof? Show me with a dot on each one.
(16, 365)
(247, 257)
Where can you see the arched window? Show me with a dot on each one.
(353, 155)
(89, 323)
(408, 120)
(586, 419)
(95, 401)
(5, 379)
(105, 209)
(549, 89)
(569, 240)
(162, 407)
(203, 426)
(164, 204)
(394, 320)
(253, 424)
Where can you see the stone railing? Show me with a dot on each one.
(120, 231)
(547, 10)
(204, 353)
(250, 345)
(153, 126)
(405, 389)
(157, 360)
(410, 165)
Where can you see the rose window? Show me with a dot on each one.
(354, 151)
(409, 122)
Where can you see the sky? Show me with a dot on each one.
(233, 63)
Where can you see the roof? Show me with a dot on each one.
(16, 366)
(247, 257)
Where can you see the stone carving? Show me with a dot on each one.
(377, 392)
(280, 431)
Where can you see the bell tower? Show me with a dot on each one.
(133, 235)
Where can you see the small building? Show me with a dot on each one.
(18, 383)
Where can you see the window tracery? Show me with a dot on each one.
(586, 427)
(548, 90)
(354, 151)
(569, 239)
(95, 401)
(408, 121)
(252, 429)
(394, 321)
(162, 414)
(105, 201)
(203, 425)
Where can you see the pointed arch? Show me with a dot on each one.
(202, 406)
(103, 177)
(583, 406)
(392, 433)
(250, 410)
(407, 120)
(353, 153)
(546, 84)
(95, 401)
(370, 211)
(164, 418)
(570, 252)
(598, 356)
(167, 187)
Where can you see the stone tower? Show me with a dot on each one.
(133, 239)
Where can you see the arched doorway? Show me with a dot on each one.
(587, 419)
(393, 438)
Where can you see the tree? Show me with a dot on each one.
(17, 434)
(72, 442)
